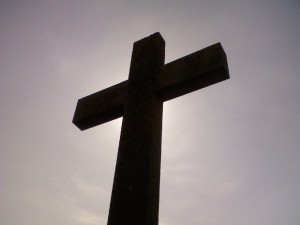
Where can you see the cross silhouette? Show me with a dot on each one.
(135, 194)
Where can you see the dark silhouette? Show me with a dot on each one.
(135, 195)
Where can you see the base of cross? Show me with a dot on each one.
(135, 194)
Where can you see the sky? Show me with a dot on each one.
(230, 152)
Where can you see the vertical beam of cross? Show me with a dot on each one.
(135, 195)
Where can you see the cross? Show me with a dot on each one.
(135, 194)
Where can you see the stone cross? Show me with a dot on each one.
(135, 194)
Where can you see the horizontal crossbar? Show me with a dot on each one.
(187, 74)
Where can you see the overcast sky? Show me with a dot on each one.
(230, 152)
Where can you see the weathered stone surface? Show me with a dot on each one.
(135, 194)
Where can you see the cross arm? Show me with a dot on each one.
(100, 107)
(192, 72)
(182, 76)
